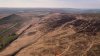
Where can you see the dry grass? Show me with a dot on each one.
(65, 39)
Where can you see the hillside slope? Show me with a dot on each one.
(58, 35)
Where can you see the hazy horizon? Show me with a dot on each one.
(80, 4)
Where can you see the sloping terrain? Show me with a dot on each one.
(58, 35)
(9, 25)
(10, 20)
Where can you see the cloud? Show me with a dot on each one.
(31, 3)
(51, 3)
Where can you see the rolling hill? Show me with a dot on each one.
(58, 35)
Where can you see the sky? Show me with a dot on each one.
(90, 4)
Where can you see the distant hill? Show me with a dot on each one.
(46, 10)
